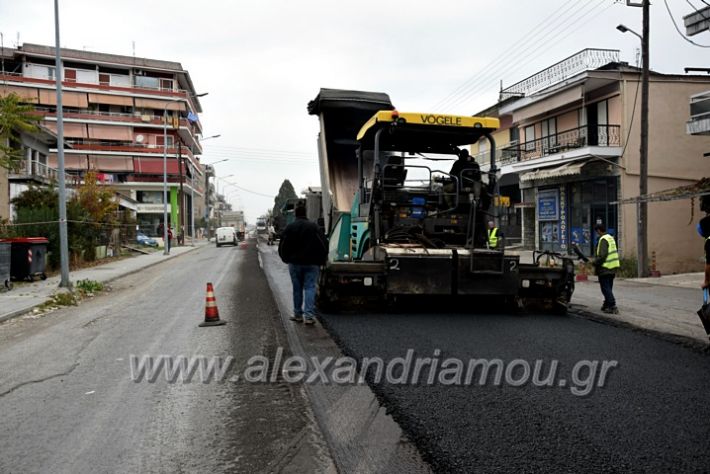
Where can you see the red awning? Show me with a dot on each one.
(155, 166)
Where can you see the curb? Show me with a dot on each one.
(32, 306)
(19, 312)
(692, 343)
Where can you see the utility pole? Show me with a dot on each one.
(181, 197)
(63, 237)
(642, 237)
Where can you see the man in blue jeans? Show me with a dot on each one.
(304, 248)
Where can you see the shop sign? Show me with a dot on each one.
(563, 219)
(548, 205)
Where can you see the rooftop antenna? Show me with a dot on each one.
(134, 51)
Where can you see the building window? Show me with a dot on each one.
(149, 197)
(70, 75)
(166, 84)
(530, 138)
(159, 140)
(603, 123)
(147, 82)
(549, 135)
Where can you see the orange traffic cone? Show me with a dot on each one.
(211, 311)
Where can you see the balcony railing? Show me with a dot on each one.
(151, 119)
(19, 77)
(587, 59)
(130, 147)
(598, 135)
(40, 172)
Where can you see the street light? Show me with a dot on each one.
(642, 205)
(222, 178)
(166, 250)
(207, 190)
(216, 183)
(192, 195)
(626, 29)
(215, 162)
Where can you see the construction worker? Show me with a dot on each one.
(494, 236)
(704, 231)
(272, 234)
(466, 171)
(606, 263)
(304, 248)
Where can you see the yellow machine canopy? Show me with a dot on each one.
(424, 131)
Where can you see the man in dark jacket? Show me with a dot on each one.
(304, 248)
(606, 264)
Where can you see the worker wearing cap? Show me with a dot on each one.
(606, 263)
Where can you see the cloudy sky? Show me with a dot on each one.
(262, 61)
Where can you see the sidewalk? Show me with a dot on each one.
(666, 304)
(26, 296)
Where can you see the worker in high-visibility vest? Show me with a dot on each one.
(494, 236)
(704, 231)
(606, 263)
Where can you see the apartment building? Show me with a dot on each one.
(569, 151)
(116, 110)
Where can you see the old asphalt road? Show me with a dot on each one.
(68, 402)
(652, 414)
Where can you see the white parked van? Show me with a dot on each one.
(226, 236)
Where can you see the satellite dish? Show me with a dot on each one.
(140, 138)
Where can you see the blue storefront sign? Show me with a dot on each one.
(563, 218)
(548, 205)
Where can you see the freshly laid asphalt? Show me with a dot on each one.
(653, 414)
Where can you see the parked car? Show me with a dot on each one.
(226, 236)
(143, 239)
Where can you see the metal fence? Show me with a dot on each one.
(580, 137)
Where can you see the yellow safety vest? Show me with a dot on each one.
(493, 238)
(612, 257)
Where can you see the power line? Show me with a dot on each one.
(678, 29)
(698, 11)
(528, 51)
(505, 62)
(264, 160)
(500, 57)
(260, 150)
(531, 55)
(631, 122)
(249, 190)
